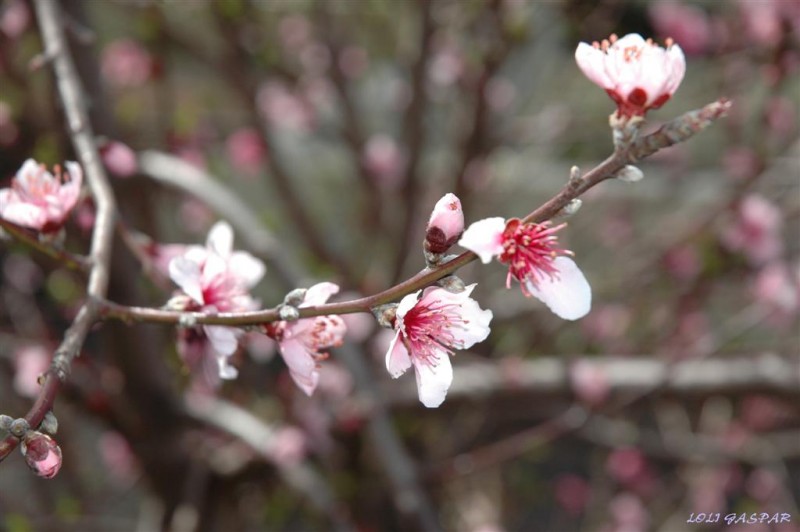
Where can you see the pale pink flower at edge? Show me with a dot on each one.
(542, 269)
(40, 200)
(300, 342)
(636, 73)
(215, 278)
(430, 325)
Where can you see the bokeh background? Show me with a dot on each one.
(336, 125)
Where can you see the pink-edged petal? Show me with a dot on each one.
(223, 339)
(397, 359)
(302, 366)
(568, 295)
(247, 268)
(220, 239)
(319, 294)
(406, 304)
(434, 377)
(592, 62)
(484, 238)
(186, 274)
(21, 213)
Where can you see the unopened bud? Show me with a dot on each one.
(295, 297)
(630, 174)
(572, 207)
(19, 427)
(288, 313)
(452, 284)
(385, 314)
(445, 225)
(5, 422)
(49, 423)
(42, 454)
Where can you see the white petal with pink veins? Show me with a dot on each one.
(186, 274)
(397, 359)
(434, 377)
(222, 338)
(484, 238)
(302, 366)
(220, 239)
(568, 295)
(319, 294)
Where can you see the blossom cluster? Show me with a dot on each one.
(430, 324)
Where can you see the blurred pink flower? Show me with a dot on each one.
(195, 215)
(40, 200)
(430, 324)
(763, 484)
(282, 107)
(335, 380)
(590, 382)
(22, 273)
(638, 75)
(14, 18)
(535, 260)
(125, 63)
(446, 224)
(782, 115)
(300, 342)
(687, 24)
(42, 454)
(294, 31)
(353, 61)
(246, 151)
(776, 289)
(384, 159)
(683, 262)
(446, 66)
(626, 465)
(629, 513)
(119, 158)
(740, 162)
(607, 322)
(756, 231)
(117, 457)
(764, 20)
(215, 278)
(30, 362)
(763, 413)
(572, 493)
(288, 447)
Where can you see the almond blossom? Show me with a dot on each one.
(214, 278)
(638, 74)
(534, 259)
(39, 199)
(430, 325)
(446, 224)
(300, 342)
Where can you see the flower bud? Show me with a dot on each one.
(446, 224)
(42, 454)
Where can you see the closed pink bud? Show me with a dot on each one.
(119, 158)
(42, 454)
(446, 224)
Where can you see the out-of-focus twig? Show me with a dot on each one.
(66, 258)
(176, 172)
(80, 130)
(259, 436)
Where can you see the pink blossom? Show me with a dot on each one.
(215, 278)
(126, 64)
(756, 232)
(246, 151)
(288, 446)
(14, 18)
(117, 457)
(446, 224)
(590, 382)
(30, 362)
(119, 158)
(353, 61)
(686, 23)
(775, 288)
(40, 200)
(384, 159)
(282, 107)
(300, 342)
(638, 75)
(572, 493)
(42, 454)
(430, 325)
(535, 260)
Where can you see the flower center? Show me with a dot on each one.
(529, 250)
(428, 330)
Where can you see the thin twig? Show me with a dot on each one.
(75, 262)
(80, 131)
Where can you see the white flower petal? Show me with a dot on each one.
(246, 267)
(319, 294)
(433, 380)
(406, 304)
(226, 371)
(569, 296)
(397, 359)
(220, 239)
(484, 238)
(302, 366)
(186, 274)
(223, 339)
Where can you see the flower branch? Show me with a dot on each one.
(70, 260)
